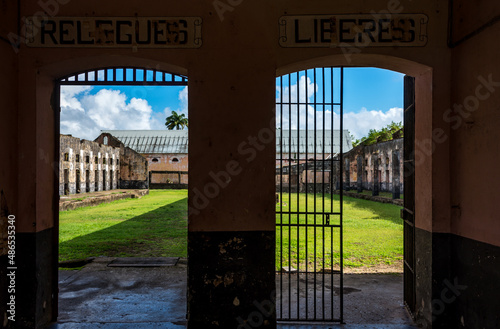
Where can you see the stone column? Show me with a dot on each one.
(347, 173)
(360, 174)
(375, 187)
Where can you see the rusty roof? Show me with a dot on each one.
(176, 141)
(300, 142)
(153, 141)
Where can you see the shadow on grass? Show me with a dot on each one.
(161, 232)
(378, 210)
(383, 211)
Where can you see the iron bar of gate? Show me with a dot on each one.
(323, 192)
(298, 193)
(289, 192)
(304, 213)
(330, 179)
(341, 196)
(281, 196)
(304, 225)
(307, 194)
(110, 78)
(315, 204)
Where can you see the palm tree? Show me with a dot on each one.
(176, 121)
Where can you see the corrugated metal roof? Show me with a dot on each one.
(176, 141)
(303, 141)
(153, 141)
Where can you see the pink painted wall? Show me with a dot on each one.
(231, 101)
(475, 150)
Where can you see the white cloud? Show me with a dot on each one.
(294, 116)
(183, 98)
(183, 103)
(182, 109)
(68, 99)
(84, 115)
(358, 123)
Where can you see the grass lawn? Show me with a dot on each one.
(153, 226)
(373, 233)
(156, 225)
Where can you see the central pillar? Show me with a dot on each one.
(231, 239)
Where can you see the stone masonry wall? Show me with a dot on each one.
(168, 162)
(375, 158)
(87, 166)
(134, 172)
(361, 164)
(134, 169)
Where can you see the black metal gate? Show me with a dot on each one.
(310, 141)
(408, 213)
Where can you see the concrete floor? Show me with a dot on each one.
(368, 298)
(105, 297)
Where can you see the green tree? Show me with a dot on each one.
(176, 121)
(382, 135)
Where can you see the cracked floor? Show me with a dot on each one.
(105, 297)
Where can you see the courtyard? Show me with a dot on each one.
(155, 225)
(110, 236)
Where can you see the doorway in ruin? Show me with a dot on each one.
(87, 181)
(78, 181)
(111, 174)
(311, 177)
(104, 181)
(66, 181)
(96, 181)
(102, 173)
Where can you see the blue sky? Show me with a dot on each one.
(158, 98)
(374, 89)
(372, 99)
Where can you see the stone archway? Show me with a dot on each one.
(421, 90)
(47, 102)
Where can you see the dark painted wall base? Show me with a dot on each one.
(423, 282)
(33, 282)
(458, 287)
(475, 283)
(231, 279)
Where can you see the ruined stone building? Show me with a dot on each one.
(133, 166)
(380, 163)
(87, 166)
(376, 166)
(304, 159)
(298, 146)
(102, 165)
(166, 152)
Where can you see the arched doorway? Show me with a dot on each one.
(101, 170)
(417, 86)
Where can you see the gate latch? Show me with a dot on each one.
(327, 219)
